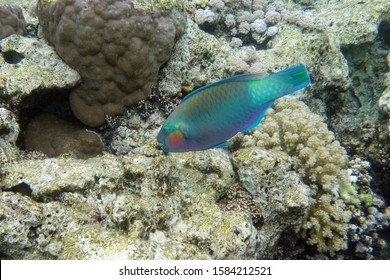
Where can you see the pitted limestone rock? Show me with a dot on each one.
(28, 66)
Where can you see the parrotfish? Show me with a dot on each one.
(209, 116)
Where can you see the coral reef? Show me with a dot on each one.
(361, 33)
(286, 189)
(29, 67)
(194, 64)
(351, 23)
(29, 14)
(336, 30)
(116, 46)
(11, 21)
(319, 158)
(368, 220)
(243, 20)
(9, 131)
(236, 198)
(127, 134)
(384, 100)
(197, 64)
(308, 147)
(161, 207)
(61, 137)
(366, 242)
(32, 234)
(339, 216)
(356, 116)
(152, 205)
(9, 128)
(328, 225)
(262, 173)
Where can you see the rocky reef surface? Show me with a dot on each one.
(308, 182)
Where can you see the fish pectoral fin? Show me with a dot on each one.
(224, 144)
(265, 107)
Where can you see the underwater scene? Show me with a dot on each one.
(204, 129)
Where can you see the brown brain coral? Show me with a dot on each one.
(117, 46)
(61, 136)
(11, 21)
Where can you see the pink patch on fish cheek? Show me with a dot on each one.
(174, 140)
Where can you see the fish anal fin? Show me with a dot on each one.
(265, 107)
(224, 144)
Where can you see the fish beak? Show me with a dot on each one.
(160, 137)
(163, 146)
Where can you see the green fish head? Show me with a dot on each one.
(172, 138)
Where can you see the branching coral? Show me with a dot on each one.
(322, 163)
(328, 224)
(318, 157)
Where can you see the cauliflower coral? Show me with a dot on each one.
(290, 127)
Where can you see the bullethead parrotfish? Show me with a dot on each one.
(209, 116)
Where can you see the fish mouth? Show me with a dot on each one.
(165, 148)
(160, 137)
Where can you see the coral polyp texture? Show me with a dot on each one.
(117, 46)
(11, 21)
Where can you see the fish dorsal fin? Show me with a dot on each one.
(265, 107)
(237, 78)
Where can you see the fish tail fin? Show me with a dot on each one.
(291, 79)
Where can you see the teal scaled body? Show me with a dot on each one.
(210, 115)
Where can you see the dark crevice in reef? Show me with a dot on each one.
(384, 32)
(21, 188)
(354, 115)
(44, 102)
(209, 28)
(49, 128)
(383, 254)
(54, 101)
